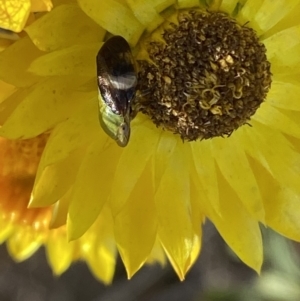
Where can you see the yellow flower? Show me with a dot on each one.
(155, 193)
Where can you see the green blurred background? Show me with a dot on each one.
(218, 275)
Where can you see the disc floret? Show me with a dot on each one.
(206, 78)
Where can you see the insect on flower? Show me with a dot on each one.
(117, 80)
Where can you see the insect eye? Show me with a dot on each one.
(123, 134)
(124, 129)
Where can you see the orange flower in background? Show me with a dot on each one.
(151, 197)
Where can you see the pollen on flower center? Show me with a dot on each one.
(205, 78)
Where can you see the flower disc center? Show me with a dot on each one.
(205, 78)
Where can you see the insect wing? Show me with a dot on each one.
(117, 77)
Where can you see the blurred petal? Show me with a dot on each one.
(61, 20)
(6, 228)
(98, 246)
(59, 251)
(23, 243)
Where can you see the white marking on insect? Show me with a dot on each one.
(117, 80)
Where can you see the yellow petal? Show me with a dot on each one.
(214, 5)
(289, 20)
(72, 134)
(33, 116)
(14, 14)
(282, 41)
(161, 5)
(240, 231)
(146, 13)
(283, 50)
(206, 174)
(98, 246)
(276, 119)
(269, 14)
(11, 102)
(59, 251)
(55, 180)
(165, 148)
(23, 243)
(282, 204)
(6, 228)
(43, 32)
(102, 253)
(157, 254)
(290, 66)
(60, 211)
(197, 244)
(294, 143)
(277, 157)
(284, 210)
(75, 60)
(15, 71)
(4, 42)
(41, 5)
(103, 12)
(198, 218)
(187, 3)
(132, 162)
(284, 95)
(228, 6)
(175, 229)
(248, 12)
(233, 163)
(6, 90)
(92, 186)
(136, 225)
